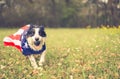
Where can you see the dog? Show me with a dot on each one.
(33, 42)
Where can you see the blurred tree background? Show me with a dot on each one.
(60, 13)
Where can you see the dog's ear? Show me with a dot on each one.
(42, 27)
(30, 31)
(42, 32)
(31, 26)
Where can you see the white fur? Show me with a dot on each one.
(34, 47)
(32, 39)
(36, 34)
(42, 58)
(33, 61)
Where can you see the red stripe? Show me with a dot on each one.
(12, 44)
(25, 27)
(16, 37)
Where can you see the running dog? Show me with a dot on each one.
(33, 42)
(30, 39)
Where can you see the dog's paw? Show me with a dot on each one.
(40, 63)
(40, 68)
(35, 67)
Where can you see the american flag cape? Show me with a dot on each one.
(15, 39)
(19, 41)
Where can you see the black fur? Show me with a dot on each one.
(31, 31)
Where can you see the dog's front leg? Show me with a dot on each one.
(33, 61)
(42, 58)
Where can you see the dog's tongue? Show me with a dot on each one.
(37, 47)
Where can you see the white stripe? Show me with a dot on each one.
(28, 25)
(16, 42)
(19, 32)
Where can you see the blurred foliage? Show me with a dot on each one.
(60, 13)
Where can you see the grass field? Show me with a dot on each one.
(71, 54)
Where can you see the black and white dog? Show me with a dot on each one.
(33, 42)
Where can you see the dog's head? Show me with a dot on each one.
(36, 37)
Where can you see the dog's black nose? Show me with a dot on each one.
(36, 39)
(37, 43)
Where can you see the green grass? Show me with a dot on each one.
(77, 53)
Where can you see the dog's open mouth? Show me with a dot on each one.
(37, 43)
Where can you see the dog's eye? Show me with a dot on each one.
(42, 33)
(31, 33)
